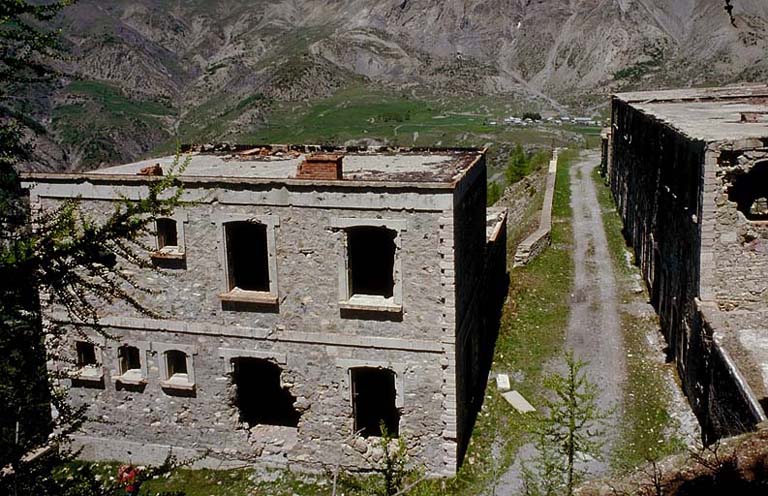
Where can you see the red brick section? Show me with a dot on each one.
(321, 166)
(151, 170)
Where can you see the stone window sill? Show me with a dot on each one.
(238, 295)
(131, 378)
(90, 374)
(371, 303)
(178, 382)
(168, 253)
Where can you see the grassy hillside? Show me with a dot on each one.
(96, 123)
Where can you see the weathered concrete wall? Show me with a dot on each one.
(537, 242)
(440, 251)
(656, 179)
(730, 370)
(669, 191)
(469, 264)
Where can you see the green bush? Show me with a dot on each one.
(520, 164)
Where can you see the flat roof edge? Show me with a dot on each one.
(694, 94)
(122, 179)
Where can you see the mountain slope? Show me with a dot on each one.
(211, 69)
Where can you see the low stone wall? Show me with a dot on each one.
(534, 244)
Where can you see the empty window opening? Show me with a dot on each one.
(167, 235)
(130, 360)
(86, 354)
(373, 401)
(247, 259)
(750, 192)
(176, 364)
(260, 397)
(371, 252)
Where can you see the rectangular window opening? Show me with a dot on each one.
(374, 401)
(371, 257)
(89, 370)
(86, 354)
(247, 256)
(260, 397)
(167, 234)
(176, 362)
(130, 360)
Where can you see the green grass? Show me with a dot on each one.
(532, 332)
(207, 482)
(648, 430)
(101, 117)
(114, 101)
(211, 119)
(366, 112)
(613, 227)
(362, 112)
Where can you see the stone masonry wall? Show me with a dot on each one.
(664, 184)
(739, 246)
(315, 374)
(306, 334)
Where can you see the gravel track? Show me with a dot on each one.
(594, 326)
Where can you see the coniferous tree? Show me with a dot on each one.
(571, 430)
(73, 259)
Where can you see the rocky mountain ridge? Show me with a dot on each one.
(142, 71)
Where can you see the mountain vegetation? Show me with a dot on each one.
(139, 73)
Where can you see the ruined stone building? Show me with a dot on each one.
(308, 298)
(689, 173)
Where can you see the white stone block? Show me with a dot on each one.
(518, 402)
(502, 382)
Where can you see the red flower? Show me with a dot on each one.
(126, 476)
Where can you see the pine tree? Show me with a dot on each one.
(73, 259)
(572, 429)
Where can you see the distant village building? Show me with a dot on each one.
(689, 172)
(311, 295)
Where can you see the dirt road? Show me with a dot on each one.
(594, 326)
(594, 330)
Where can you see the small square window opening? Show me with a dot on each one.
(86, 354)
(88, 367)
(176, 365)
(167, 234)
(129, 359)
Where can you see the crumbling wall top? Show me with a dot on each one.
(280, 163)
